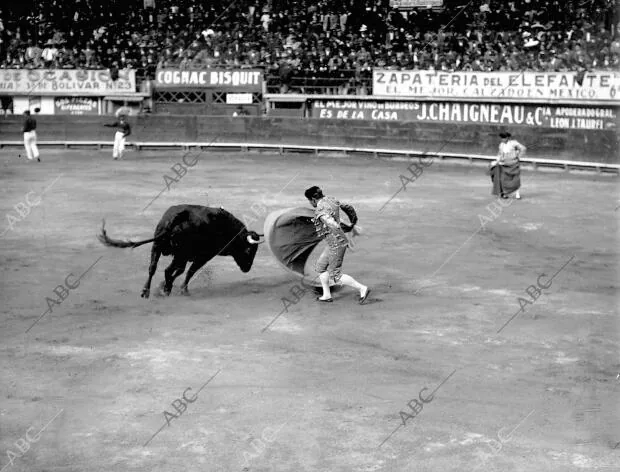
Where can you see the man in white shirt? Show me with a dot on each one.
(505, 171)
(49, 54)
(265, 19)
(123, 129)
(30, 137)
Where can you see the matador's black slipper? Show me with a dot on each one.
(363, 299)
(327, 300)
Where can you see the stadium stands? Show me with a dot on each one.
(306, 46)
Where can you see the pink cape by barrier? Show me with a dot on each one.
(505, 179)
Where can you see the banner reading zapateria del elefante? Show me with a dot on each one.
(498, 85)
(60, 82)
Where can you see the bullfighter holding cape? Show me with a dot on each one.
(294, 235)
(505, 171)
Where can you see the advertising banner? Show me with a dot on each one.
(75, 106)
(239, 98)
(81, 82)
(560, 117)
(250, 80)
(498, 85)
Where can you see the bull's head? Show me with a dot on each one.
(246, 251)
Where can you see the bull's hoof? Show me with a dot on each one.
(163, 290)
(184, 290)
(145, 293)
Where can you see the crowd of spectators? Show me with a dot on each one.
(309, 43)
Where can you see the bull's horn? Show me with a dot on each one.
(252, 241)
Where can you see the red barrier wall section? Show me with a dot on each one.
(594, 145)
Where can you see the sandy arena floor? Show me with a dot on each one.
(326, 387)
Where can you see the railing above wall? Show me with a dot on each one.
(302, 97)
(342, 82)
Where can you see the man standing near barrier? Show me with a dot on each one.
(505, 171)
(30, 137)
(327, 224)
(122, 131)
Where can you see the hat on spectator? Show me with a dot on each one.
(505, 134)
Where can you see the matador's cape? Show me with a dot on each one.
(292, 239)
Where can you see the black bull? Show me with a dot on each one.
(194, 233)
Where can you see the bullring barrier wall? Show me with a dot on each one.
(596, 146)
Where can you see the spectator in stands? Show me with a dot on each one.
(265, 19)
(49, 54)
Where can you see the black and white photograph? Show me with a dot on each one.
(310, 236)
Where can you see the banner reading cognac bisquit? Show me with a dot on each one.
(250, 80)
(499, 85)
(586, 118)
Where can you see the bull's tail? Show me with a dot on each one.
(105, 239)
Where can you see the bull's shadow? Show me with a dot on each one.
(204, 286)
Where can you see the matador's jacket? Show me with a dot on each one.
(329, 206)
